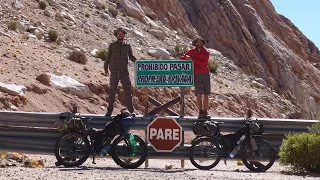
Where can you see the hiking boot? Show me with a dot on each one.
(108, 114)
(201, 114)
(206, 114)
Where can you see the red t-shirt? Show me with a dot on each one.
(199, 59)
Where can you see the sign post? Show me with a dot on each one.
(164, 134)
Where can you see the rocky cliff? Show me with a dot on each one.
(262, 43)
(171, 13)
(280, 63)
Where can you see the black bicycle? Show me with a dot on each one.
(210, 145)
(80, 141)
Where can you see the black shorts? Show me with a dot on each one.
(202, 83)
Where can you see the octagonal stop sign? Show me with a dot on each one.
(164, 134)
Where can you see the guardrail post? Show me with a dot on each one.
(146, 162)
(182, 146)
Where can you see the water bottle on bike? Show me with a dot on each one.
(105, 150)
(237, 148)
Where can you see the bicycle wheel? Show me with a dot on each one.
(72, 149)
(261, 159)
(204, 153)
(127, 153)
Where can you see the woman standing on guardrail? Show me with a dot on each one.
(200, 57)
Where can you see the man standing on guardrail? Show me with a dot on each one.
(200, 57)
(117, 61)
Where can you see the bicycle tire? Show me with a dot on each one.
(76, 142)
(129, 152)
(256, 164)
(196, 149)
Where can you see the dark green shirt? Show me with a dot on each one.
(117, 58)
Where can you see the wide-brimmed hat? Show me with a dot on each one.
(115, 32)
(198, 38)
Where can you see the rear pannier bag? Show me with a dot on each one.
(206, 128)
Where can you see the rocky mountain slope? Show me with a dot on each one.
(154, 29)
(263, 43)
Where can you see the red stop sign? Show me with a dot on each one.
(164, 134)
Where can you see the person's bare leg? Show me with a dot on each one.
(205, 102)
(199, 101)
(206, 105)
(200, 107)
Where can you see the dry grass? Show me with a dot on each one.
(78, 56)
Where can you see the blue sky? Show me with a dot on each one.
(305, 14)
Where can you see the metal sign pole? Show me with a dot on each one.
(182, 115)
(146, 100)
(182, 101)
(146, 105)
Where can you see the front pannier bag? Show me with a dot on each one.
(206, 128)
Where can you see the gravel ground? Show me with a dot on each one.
(107, 169)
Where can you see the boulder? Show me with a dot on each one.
(21, 27)
(159, 53)
(114, 5)
(94, 52)
(257, 85)
(261, 81)
(153, 52)
(39, 30)
(149, 13)
(64, 4)
(98, 4)
(105, 16)
(71, 86)
(31, 29)
(68, 16)
(163, 53)
(12, 89)
(150, 22)
(158, 33)
(138, 33)
(47, 13)
(59, 16)
(132, 8)
(213, 51)
(17, 5)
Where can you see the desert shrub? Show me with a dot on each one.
(113, 11)
(39, 36)
(213, 66)
(315, 128)
(124, 14)
(78, 56)
(12, 25)
(44, 79)
(87, 15)
(43, 5)
(53, 35)
(102, 54)
(180, 49)
(301, 151)
(25, 36)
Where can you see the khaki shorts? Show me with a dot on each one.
(202, 83)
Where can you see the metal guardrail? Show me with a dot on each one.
(32, 132)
